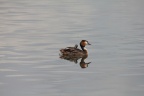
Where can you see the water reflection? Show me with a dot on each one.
(74, 53)
(75, 59)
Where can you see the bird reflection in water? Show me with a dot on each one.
(75, 59)
(73, 53)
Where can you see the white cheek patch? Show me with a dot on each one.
(86, 43)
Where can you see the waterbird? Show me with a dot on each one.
(74, 51)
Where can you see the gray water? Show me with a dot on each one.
(33, 31)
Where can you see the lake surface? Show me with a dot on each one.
(33, 31)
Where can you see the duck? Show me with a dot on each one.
(74, 51)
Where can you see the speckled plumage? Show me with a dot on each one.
(74, 51)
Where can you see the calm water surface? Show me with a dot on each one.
(33, 31)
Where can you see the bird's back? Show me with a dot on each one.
(72, 51)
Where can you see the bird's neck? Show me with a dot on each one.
(84, 49)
